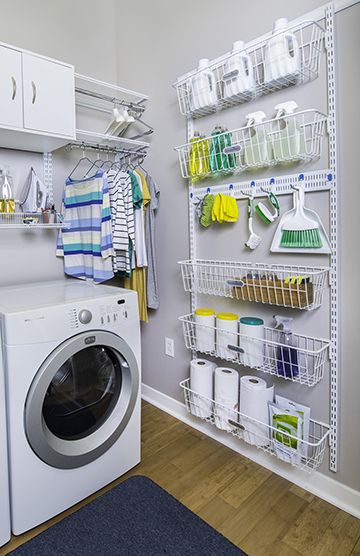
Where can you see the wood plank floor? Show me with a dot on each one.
(257, 510)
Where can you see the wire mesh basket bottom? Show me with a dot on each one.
(305, 455)
(298, 287)
(303, 362)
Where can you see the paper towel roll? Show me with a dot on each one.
(226, 390)
(254, 398)
(201, 383)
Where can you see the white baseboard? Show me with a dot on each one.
(321, 485)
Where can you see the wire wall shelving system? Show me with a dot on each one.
(265, 282)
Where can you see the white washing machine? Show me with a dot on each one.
(71, 356)
(4, 474)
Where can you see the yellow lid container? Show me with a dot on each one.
(227, 316)
(204, 312)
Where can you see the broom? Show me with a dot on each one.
(300, 230)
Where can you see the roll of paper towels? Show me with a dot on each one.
(201, 384)
(254, 398)
(226, 390)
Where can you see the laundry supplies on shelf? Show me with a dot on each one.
(272, 436)
(286, 356)
(220, 145)
(304, 412)
(252, 336)
(7, 202)
(226, 396)
(254, 397)
(202, 384)
(257, 148)
(282, 60)
(226, 334)
(205, 332)
(290, 55)
(238, 77)
(262, 348)
(203, 87)
(288, 137)
(198, 164)
(298, 287)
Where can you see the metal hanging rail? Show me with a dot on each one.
(140, 151)
(135, 107)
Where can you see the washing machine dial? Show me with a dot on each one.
(85, 316)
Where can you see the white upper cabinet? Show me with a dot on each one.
(37, 101)
(11, 108)
(49, 96)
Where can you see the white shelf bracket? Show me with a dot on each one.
(334, 311)
(48, 176)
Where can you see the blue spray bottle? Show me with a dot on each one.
(286, 355)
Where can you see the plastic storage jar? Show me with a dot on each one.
(205, 337)
(253, 346)
(226, 333)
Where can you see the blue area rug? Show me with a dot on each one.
(135, 518)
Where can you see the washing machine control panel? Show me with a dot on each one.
(114, 313)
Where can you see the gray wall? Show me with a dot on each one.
(171, 37)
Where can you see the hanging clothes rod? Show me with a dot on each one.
(134, 106)
(140, 151)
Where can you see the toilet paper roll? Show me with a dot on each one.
(201, 384)
(226, 392)
(254, 398)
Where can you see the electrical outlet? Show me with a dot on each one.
(169, 347)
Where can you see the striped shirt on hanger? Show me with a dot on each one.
(86, 243)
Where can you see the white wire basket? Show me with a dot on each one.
(298, 287)
(302, 362)
(230, 89)
(30, 220)
(286, 139)
(304, 454)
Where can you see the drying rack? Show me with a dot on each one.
(255, 282)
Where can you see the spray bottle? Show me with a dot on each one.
(286, 356)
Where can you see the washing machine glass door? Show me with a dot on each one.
(81, 399)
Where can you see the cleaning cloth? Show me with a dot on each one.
(206, 210)
(225, 209)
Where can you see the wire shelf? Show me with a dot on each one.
(298, 287)
(29, 220)
(308, 454)
(231, 89)
(304, 364)
(285, 139)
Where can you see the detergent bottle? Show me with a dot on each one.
(286, 355)
(7, 203)
(238, 77)
(281, 56)
(257, 148)
(203, 87)
(288, 138)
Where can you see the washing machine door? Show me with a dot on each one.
(81, 399)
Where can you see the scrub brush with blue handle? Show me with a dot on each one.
(300, 230)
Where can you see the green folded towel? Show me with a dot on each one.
(205, 219)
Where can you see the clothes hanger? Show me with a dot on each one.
(94, 163)
(82, 159)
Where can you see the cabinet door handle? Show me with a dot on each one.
(13, 80)
(34, 92)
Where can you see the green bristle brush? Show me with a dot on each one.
(300, 230)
